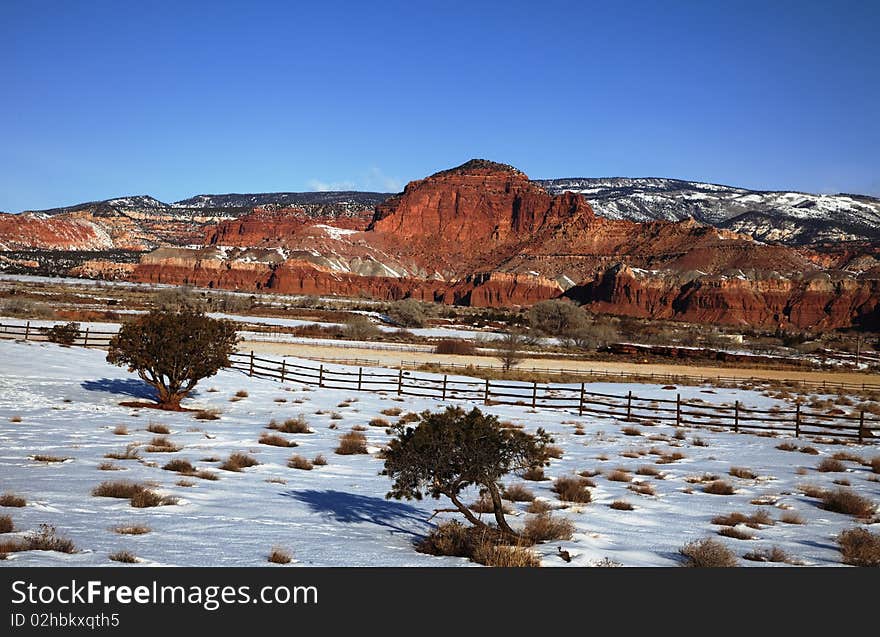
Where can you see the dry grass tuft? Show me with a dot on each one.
(352, 443)
(108, 466)
(631, 431)
(156, 428)
(241, 394)
(544, 527)
(619, 475)
(791, 517)
(147, 498)
(124, 489)
(161, 444)
(379, 422)
(859, 547)
(572, 489)
(180, 465)
(621, 505)
(518, 493)
(296, 425)
(120, 430)
(842, 500)
(829, 465)
(275, 440)
(787, 446)
(238, 461)
(391, 411)
(539, 506)
(9, 499)
(810, 451)
(6, 525)
(742, 472)
(755, 520)
(774, 554)
(707, 553)
(207, 414)
(125, 557)
(132, 529)
(719, 487)
(45, 458)
(505, 556)
(130, 453)
(535, 474)
(299, 462)
(648, 470)
(46, 538)
(279, 556)
(319, 460)
(642, 488)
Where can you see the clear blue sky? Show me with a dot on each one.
(102, 99)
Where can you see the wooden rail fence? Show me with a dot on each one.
(861, 426)
(629, 407)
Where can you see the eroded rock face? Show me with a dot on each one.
(482, 234)
(817, 301)
(471, 217)
(30, 231)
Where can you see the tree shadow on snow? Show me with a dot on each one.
(352, 508)
(125, 386)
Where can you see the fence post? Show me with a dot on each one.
(283, 368)
(736, 416)
(360, 377)
(678, 410)
(400, 381)
(444, 387)
(486, 393)
(581, 401)
(797, 420)
(861, 427)
(629, 402)
(86, 338)
(321, 375)
(534, 393)
(27, 330)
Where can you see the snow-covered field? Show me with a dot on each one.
(67, 400)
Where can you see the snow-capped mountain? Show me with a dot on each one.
(792, 218)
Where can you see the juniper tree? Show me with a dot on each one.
(451, 450)
(172, 351)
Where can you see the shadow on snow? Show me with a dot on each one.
(352, 508)
(125, 386)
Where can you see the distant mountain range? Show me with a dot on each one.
(785, 217)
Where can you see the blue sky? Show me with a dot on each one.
(102, 99)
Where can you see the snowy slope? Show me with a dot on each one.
(788, 217)
(337, 514)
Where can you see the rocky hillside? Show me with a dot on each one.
(484, 234)
(790, 218)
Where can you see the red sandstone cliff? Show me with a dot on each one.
(483, 234)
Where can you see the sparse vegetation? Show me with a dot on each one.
(279, 556)
(544, 527)
(621, 505)
(843, 500)
(859, 547)
(296, 425)
(742, 472)
(707, 553)
(11, 500)
(572, 489)
(238, 461)
(353, 442)
(126, 557)
(718, 487)
(275, 440)
(299, 462)
(830, 465)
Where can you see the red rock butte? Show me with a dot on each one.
(483, 234)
